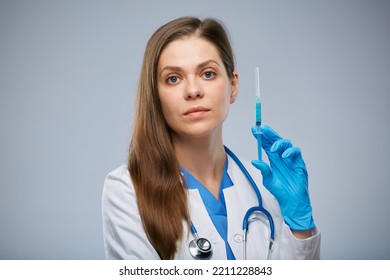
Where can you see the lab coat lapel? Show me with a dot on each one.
(238, 200)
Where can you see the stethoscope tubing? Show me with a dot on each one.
(201, 254)
(260, 207)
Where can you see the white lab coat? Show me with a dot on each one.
(125, 238)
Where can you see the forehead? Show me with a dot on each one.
(188, 50)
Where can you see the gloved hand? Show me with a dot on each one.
(286, 179)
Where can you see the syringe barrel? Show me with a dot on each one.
(258, 113)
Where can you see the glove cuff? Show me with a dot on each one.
(302, 221)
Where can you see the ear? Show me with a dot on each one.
(235, 85)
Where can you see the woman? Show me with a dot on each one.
(181, 183)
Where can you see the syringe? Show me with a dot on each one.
(258, 113)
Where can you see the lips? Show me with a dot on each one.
(196, 110)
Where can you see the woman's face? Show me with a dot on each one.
(193, 87)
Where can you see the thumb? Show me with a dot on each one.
(265, 171)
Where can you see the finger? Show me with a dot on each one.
(270, 134)
(269, 137)
(280, 146)
(292, 157)
(265, 172)
(255, 130)
(291, 152)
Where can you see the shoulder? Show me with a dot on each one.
(118, 186)
(123, 232)
(120, 173)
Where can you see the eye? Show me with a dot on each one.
(209, 75)
(173, 80)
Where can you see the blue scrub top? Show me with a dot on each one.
(215, 208)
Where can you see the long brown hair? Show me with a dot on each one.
(153, 166)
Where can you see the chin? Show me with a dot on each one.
(203, 132)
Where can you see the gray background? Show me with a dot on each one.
(68, 76)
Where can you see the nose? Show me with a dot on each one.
(193, 89)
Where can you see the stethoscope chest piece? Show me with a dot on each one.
(200, 249)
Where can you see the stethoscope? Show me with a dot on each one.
(200, 248)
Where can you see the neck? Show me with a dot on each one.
(204, 159)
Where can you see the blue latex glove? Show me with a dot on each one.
(286, 179)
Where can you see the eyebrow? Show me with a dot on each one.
(179, 69)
